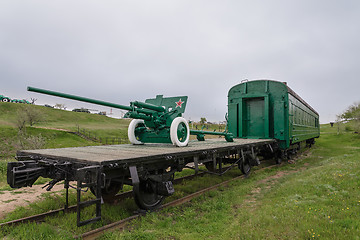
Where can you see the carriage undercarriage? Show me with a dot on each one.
(149, 169)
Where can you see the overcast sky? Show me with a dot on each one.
(121, 51)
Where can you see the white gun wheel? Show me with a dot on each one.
(131, 131)
(179, 132)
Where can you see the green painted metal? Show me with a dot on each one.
(200, 135)
(254, 118)
(303, 124)
(182, 132)
(78, 98)
(270, 109)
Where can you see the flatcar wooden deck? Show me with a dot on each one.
(103, 155)
(149, 168)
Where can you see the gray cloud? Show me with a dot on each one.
(132, 50)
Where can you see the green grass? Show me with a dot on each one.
(318, 197)
(3, 168)
(52, 139)
(51, 118)
(55, 117)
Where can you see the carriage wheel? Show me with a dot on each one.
(179, 132)
(145, 196)
(133, 131)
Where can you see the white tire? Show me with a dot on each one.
(131, 131)
(181, 140)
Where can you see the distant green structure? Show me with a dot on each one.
(4, 99)
(20, 101)
(85, 110)
(7, 99)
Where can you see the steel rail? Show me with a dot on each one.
(93, 234)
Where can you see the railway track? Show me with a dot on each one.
(40, 217)
(120, 225)
(93, 234)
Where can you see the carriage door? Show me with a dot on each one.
(254, 118)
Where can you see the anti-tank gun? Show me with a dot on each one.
(157, 120)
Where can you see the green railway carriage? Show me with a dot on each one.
(266, 109)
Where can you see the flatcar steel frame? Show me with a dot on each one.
(149, 169)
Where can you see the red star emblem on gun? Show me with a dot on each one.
(179, 103)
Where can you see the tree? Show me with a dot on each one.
(203, 120)
(21, 119)
(33, 115)
(352, 112)
(28, 114)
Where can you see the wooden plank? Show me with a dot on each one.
(126, 152)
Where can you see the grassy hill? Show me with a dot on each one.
(51, 119)
(59, 118)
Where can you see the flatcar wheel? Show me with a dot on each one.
(245, 166)
(146, 198)
(278, 160)
(108, 192)
(210, 166)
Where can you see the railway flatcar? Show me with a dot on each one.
(264, 117)
(265, 109)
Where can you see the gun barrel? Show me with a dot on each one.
(149, 106)
(82, 99)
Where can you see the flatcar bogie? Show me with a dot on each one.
(146, 197)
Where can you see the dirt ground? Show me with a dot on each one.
(9, 200)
